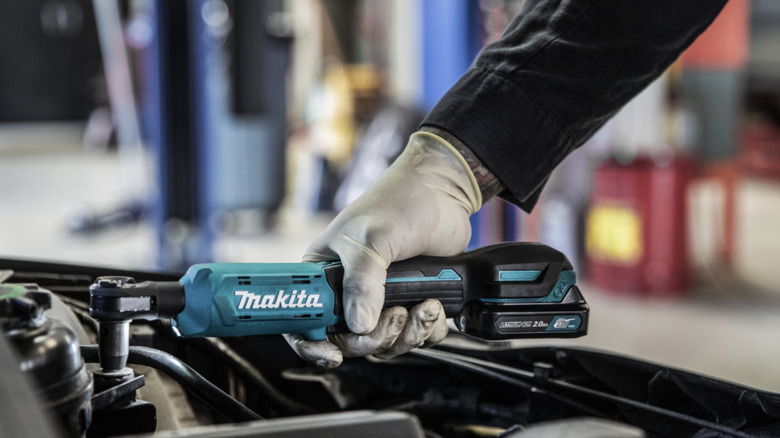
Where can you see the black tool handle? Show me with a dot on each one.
(506, 271)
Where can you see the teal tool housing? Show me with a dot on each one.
(237, 299)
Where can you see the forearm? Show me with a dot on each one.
(560, 71)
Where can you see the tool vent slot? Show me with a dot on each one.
(301, 279)
(244, 282)
(302, 315)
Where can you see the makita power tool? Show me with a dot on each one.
(503, 291)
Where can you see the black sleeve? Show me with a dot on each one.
(559, 72)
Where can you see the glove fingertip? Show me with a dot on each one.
(322, 353)
(331, 360)
(363, 321)
(438, 332)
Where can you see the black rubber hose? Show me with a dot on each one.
(255, 377)
(504, 373)
(185, 376)
(458, 361)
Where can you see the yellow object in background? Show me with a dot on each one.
(613, 234)
(333, 123)
(347, 96)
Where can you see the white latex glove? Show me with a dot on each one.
(420, 206)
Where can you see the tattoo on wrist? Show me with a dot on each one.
(489, 184)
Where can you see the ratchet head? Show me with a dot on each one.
(115, 301)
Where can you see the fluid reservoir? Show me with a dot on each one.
(48, 351)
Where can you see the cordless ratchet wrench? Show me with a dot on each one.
(503, 291)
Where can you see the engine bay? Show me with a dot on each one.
(256, 385)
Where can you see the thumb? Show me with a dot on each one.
(364, 296)
(364, 286)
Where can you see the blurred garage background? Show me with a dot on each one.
(157, 134)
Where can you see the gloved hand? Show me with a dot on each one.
(420, 206)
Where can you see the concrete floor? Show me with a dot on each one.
(727, 327)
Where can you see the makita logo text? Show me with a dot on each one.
(282, 300)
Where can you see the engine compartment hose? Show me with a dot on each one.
(187, 377)
(251, 373)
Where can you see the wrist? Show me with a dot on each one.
(488, 183)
